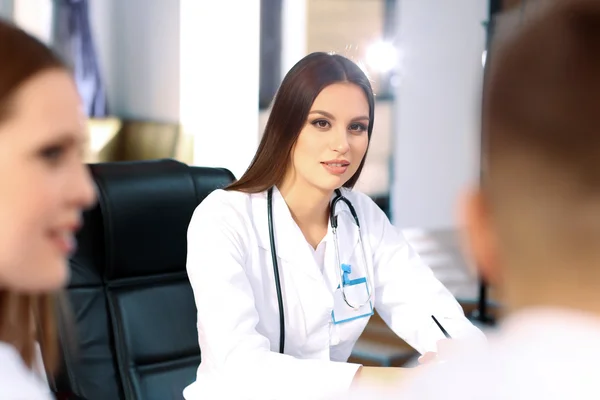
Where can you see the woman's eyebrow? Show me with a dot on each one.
(324, 113)
(330, 116)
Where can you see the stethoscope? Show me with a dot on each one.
(334, 224)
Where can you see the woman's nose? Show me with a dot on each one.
(340, 141)
(83, 189)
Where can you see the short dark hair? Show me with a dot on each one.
(541, 103)
(291, 106)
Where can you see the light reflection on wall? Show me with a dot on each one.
(219, 72)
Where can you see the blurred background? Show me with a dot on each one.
(194, 80)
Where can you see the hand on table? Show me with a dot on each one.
(444, 347)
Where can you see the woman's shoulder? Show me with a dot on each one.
(227, 208)
(368, 211)
(360, 199)
(17, 381)
(224, 200)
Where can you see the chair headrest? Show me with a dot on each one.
(146, 207)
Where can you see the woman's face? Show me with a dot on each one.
(44, 185)
(334, 140)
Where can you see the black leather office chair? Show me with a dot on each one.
(133, 307)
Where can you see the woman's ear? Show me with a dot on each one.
(479, 238)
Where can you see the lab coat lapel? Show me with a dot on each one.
(290, 243)
(331, 266)
(302, 280)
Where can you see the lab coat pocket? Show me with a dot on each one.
(351, 301)
(354, 269)
(350, 331)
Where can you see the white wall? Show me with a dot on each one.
(101, 16)
(436, 141)
(220, 80)
(294, 33)
(34, 16)
(138, 44)
(6, 9)
(189, 61)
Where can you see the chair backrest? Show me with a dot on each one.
(133, 306)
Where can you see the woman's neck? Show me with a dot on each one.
(554, 292)
(309, 207)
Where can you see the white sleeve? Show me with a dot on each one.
(407, 293)
(232, 351)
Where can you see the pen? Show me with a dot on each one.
(441, 328)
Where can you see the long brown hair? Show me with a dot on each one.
(291, 106)
(25, 318)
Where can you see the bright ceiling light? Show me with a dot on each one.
(382, 56)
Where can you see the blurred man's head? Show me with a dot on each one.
(534, 224)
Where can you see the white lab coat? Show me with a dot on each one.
(231, 272)
(539, 353)
(17, 382)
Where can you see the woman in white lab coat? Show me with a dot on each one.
(43, 188)
(315, 142)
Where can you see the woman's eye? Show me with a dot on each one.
(356, 127)
(321, 123)
(53, 154)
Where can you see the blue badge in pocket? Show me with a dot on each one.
(357, 293)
